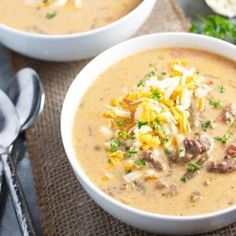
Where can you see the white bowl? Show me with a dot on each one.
(78, 45)
(157, 223)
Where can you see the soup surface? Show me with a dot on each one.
(156, 131)
(63, 17)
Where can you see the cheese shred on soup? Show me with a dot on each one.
(156, 131)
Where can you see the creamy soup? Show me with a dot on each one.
(156, 131)
(63, 16)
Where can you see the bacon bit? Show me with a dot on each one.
(210, 82)
(231, 150)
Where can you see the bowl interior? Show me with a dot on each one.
(91, 72)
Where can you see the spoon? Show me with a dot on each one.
(26, 92)
(9, 130)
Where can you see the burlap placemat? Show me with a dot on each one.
(65, 207)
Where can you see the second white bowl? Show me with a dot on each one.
(79, 45)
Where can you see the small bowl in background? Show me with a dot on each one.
(77, 46)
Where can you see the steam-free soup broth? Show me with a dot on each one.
(63, 17)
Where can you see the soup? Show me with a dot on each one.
(156, 131)
(63, 17)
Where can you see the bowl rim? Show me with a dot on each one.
(79, 34)
(80, 173)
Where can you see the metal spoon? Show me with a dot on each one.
(9, 130)
(26, 92)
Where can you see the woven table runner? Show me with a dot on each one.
(66, 209)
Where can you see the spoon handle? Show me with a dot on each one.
(20, 204)
(2, 182)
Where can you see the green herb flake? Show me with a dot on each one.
(120, 123)
(150, 74)
(131, 152)
(114, 144)
(206, 124)
(156, 125)
(124, 134)
(221, 89)
(215, 26)
(141, 123)
(191, 166)
(223, 139)
(184, 179)
(215, 103)
(156, 95)
(51, 15)
(167, 152)
(128, 171)
(140, 83)
(140, 163)
(166, 139)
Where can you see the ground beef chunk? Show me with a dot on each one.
(187, 158)
(231, 150)
(161, 184)
(139, 186)
(229, 113)
(227, 165)
(171, 191)
(148, 156)
(195, 196)
(193, 146)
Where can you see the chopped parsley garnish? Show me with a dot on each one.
(124, 134)
(140, 83)
(113, 147)
(166, 139)
(181, 150)
(215, 26)
(206, 124)
(156, 125)
(131, 152)
(215, 103)
(120, 123)
(154, 67)
(156, 95)
(223, 139)
(51, 15)
(167, 152)
(141, 123)
(140, 163)
(221, 89)
(193, 166)
(184, 179)
(150, 74)
(114, 144)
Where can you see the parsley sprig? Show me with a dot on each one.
(215, 26)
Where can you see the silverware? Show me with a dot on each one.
(26, 92)
(9, 130)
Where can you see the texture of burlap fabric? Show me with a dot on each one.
(66, 209)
